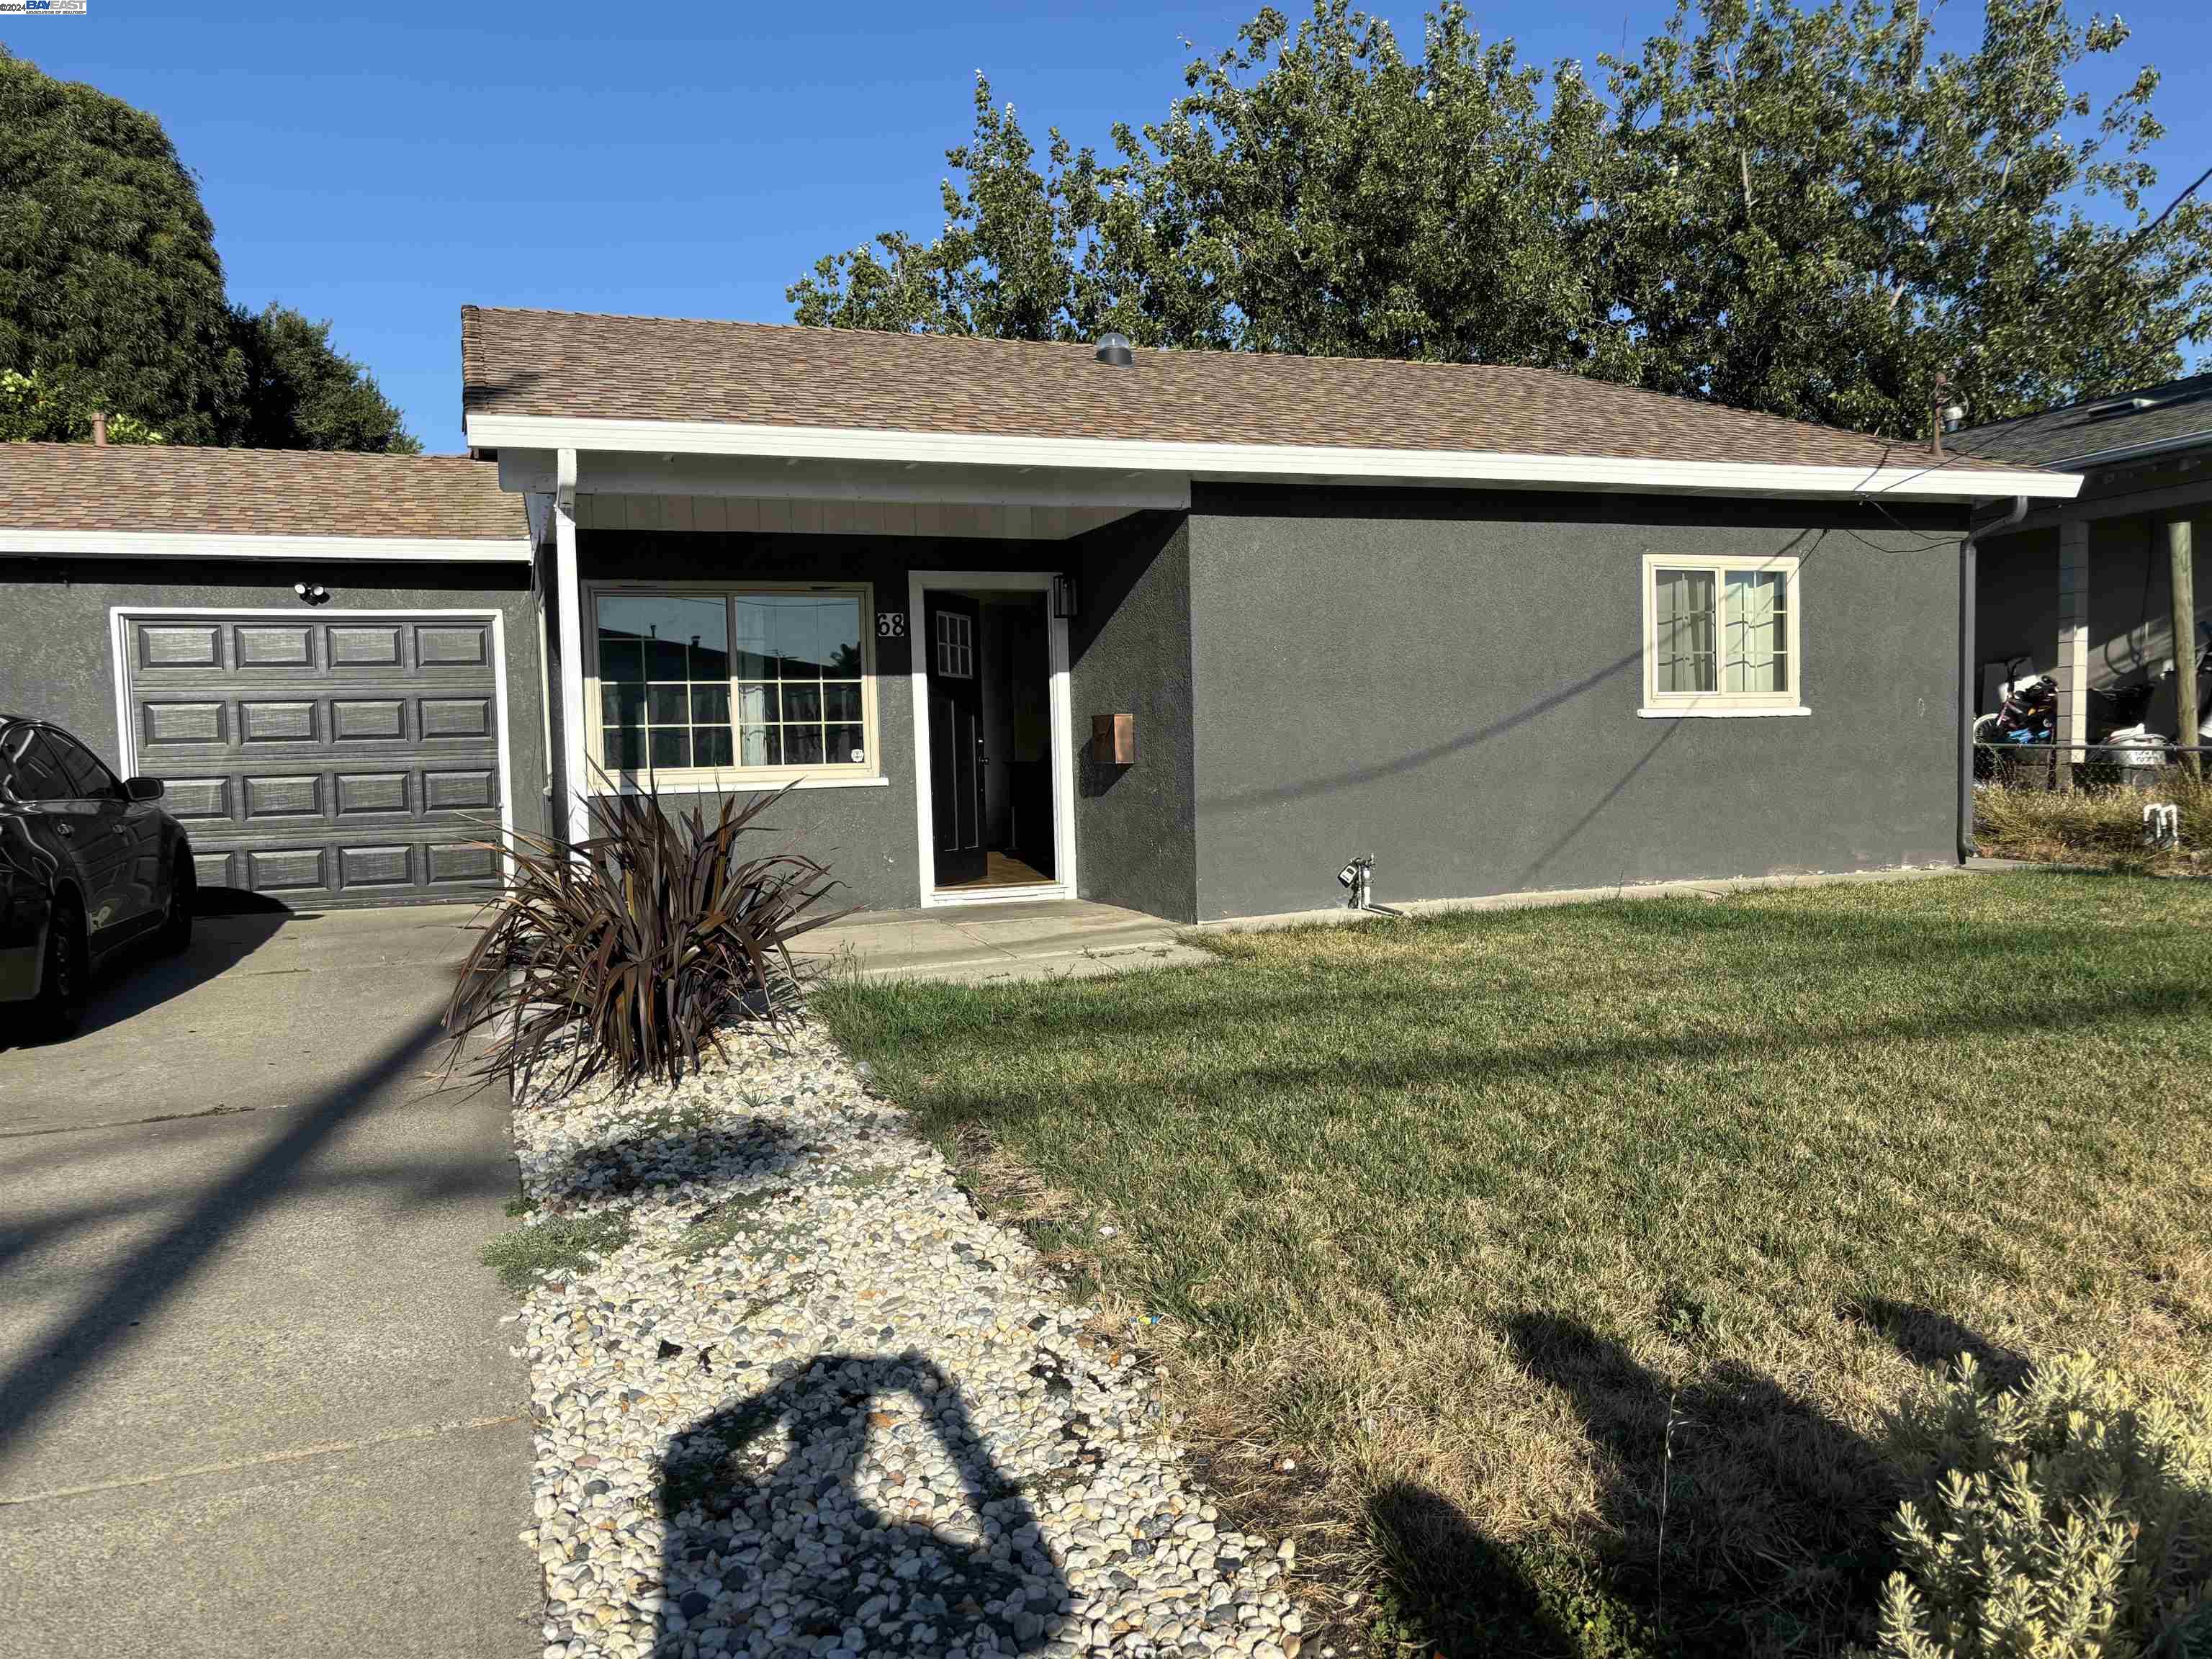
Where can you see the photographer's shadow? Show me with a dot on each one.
(828, 1562)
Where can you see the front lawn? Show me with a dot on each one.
(1526, 1235)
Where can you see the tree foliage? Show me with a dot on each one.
(111, 297)
(301, 392)
(32, 411)
(1809, 211)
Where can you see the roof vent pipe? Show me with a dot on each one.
(99, 428)
(1115, 349)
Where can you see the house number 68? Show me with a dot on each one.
(890, 624)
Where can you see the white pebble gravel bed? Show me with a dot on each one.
(817, 1404)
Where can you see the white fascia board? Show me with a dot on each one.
(1240, 462)
(190, 545)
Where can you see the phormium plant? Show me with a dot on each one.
(631, 957)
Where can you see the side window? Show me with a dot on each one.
(89, 779)
(29, 770)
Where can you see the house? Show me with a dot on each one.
(2082, 589)
(1178, 631)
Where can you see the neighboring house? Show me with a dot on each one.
(1178, 631)
(2083, 589)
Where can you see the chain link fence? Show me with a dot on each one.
(2090, 766)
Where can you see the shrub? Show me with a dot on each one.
(631, 957)
(557, 1244)
(2068, 1518)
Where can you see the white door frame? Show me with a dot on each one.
(126, 727)
(919, 583)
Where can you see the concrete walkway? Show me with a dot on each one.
(1073, 938)
(1052, 938)
(254, 1395)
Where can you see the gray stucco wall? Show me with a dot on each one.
(1450, 683)
(1130, 653)
(868, 836)
(55, 662)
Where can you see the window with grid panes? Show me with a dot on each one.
(733, 682)
(1720, 635)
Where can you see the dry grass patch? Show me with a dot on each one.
(1527, 1236)
(2098, 827)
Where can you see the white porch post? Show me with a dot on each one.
(2073, 671)
(570, 596)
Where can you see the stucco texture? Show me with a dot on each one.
(1450, 683)
(1130, 647)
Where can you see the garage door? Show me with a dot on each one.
(348, 759)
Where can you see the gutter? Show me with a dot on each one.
(1969, 594)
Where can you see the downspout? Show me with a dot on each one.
(1969, 594)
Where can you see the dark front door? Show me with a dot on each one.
(956, 739)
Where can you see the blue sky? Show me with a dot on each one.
(383, 165)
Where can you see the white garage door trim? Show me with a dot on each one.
(126, 731)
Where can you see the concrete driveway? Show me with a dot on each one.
(254, 1396)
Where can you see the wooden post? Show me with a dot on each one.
(2183, 560)
(2071, 729)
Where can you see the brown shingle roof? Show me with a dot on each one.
(577, 365)
(252, 492)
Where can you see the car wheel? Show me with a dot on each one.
(66, 975)
(176, 933)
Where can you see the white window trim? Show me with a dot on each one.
(730, 779)
(1722, 705)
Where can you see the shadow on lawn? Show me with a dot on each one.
(1772, 1524)
(1933, 1341)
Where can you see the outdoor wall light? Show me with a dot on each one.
(313, 592)
(1063, 597)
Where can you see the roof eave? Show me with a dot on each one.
(230, 544)
(1286, 462)
(2117, 453)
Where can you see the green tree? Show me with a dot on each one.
(111, 297)
(1810, 214)
(32, 411)
(110, 289)
(303, 393)
(1804, 211)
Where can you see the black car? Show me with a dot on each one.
(87, 866)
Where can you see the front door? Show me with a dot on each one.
(956, 739)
